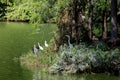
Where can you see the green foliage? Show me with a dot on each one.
(99, 45)
(97, 29)
(81, 59)
(2, 9)
(35, 11)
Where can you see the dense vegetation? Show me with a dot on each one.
(85, 21)
(87, 59)
(37, 11)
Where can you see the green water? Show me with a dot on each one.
(17, 39)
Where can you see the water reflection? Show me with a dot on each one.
(39, 75)
(36, 74)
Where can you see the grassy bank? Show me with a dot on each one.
(96, 58)
(44, 59)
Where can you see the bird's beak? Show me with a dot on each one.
(66, 35)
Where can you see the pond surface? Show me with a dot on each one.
(17, 39)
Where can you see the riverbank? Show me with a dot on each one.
(16, 20)
(44, 60)
(80, 59)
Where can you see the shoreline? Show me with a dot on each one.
(17, 20)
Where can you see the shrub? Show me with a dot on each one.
(86, 59)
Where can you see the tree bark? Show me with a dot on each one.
(75, 22)
(104, 31)
(113, 38)
(114, 19)
(90, 18)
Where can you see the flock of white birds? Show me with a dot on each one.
(38, 47)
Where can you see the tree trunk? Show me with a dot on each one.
(113, 23)
(114, 19)
(75, 22)
(90, 17)
(104, 31)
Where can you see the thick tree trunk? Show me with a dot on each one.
(114, 19)
(113, 38)
(90, 17)
(75, 22)
(104, 33)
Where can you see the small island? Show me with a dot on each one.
(69, 36)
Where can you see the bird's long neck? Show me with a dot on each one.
(45, 42)
(38, 44)
(69, 40)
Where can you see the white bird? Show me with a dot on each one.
(46, 45)
(35, 50)
(70, 45)
(40, 47)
